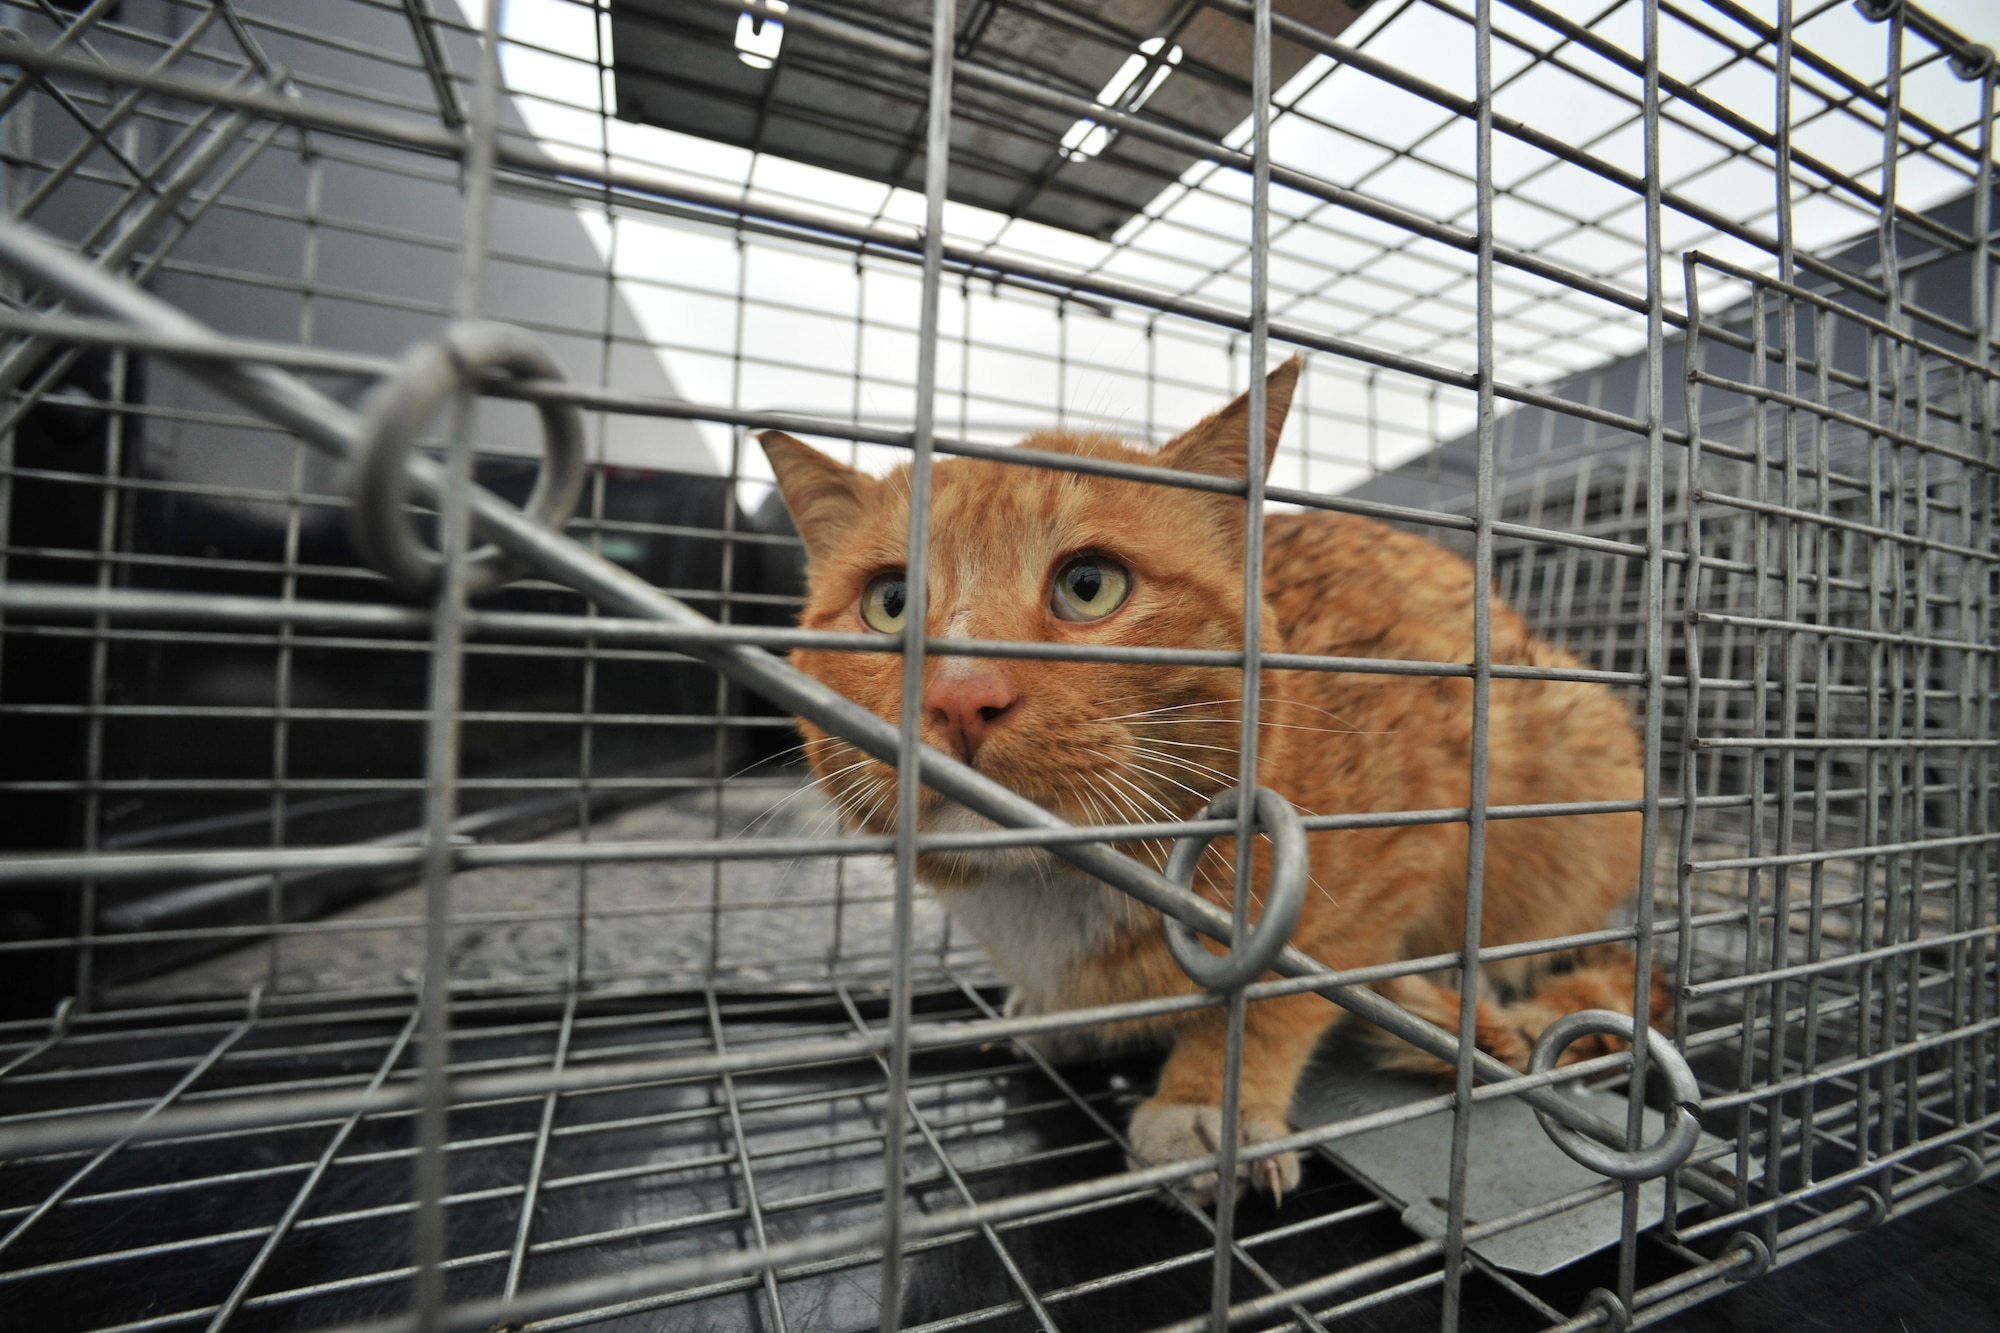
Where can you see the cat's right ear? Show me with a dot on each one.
(1220, 445)
(823, 494)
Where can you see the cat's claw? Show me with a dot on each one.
(1177, 1132)
(1271, 1178)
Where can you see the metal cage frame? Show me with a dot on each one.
(1783, 551)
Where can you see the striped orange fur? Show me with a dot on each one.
(1102, 743)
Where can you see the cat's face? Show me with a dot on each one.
(1029, 554)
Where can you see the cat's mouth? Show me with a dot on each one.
(948, 816)
(866, 798)
(942, 815)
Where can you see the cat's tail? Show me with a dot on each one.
(1506, 1025)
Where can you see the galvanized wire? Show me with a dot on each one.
(1798, 606)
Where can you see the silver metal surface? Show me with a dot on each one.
(1283, 896)
(1682, 1127)
(444, 966)
(1517, 1167)
(401, 407)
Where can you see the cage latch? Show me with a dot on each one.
(402, 405)
(1267, 937)
(1682, 1126)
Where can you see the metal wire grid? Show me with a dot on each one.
(1855, 605)
(1797, 618)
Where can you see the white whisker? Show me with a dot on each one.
(1269, 702)
(1284, 726)
(1186, 765)
(1190, 745)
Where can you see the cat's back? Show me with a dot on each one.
(1346, 586)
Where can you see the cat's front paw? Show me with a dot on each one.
(1175, 1132)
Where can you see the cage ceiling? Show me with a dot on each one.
(701, 69)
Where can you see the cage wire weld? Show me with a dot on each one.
(417, 913)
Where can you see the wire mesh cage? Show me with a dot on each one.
(411, 940)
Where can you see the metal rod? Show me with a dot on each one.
(133, 1126)
(1482, 678)
(1256, 431)
(441, 761)
(234, 1301)
(910, 738)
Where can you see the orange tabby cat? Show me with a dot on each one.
(1029, 554)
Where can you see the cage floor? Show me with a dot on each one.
(309, 1225)
(158, 1236)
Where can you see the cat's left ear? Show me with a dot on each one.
(1219, 445)
(824, 495)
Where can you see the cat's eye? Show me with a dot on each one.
(1090, 587)
(884, 600)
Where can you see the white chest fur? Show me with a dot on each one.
(1040, 920)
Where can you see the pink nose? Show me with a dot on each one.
(965, 701)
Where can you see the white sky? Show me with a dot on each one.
(781, 327)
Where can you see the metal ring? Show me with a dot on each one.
(1972, 63)
(1972, 1166)
(401, 406)
(1682, 1129)
(1616, 1317)
(1744, 1242)
(1272, 930)
(1878, 1207)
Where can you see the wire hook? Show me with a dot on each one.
(1683, 1129)
(398, 410)
(1267, 937)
